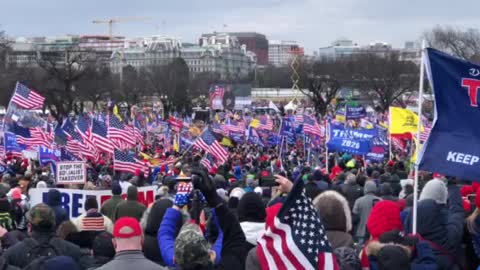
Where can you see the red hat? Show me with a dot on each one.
(437, 175)
(126, 227)
(137, 172)
(467, 206)
(466, 190)
(213, 171)
(385, 216)
(16, 193)
(390, 163)
(475, 186)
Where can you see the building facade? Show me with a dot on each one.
(254, 42)
(280, 52)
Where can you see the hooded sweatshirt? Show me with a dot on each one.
(130, 207)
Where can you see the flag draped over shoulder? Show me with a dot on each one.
(403, 121)
(295, 237)
(453, 147)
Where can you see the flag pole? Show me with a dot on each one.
(419, 126)
(389, 134)
(326, 145)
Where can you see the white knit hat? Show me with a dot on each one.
(436, 190)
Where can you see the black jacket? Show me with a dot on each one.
(17, 254)
(351, 192)
(54, 200)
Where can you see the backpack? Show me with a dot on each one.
(6, 221)
(37, 253)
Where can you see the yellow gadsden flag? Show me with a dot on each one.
(403, 121)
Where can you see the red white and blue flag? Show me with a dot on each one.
(310, 126)
(209, 144)
(100, 136)
(26, 98)
(295, 237)
(124, 161)
(120, 136)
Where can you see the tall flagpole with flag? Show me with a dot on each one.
(419, 130)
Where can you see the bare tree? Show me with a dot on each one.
(64, 68)
(96, 85)
(384, 79)
(322, 79)
(464, 43)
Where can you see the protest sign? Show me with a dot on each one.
(73, 200)
(71, 172)
(33, 155)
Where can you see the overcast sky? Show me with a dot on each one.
(313, 23)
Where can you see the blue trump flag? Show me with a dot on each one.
(355, 141)
(453, 147)
(46, 155)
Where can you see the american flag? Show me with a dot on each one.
(136, 130)
(175, 123)
(2, 147)
(93, 223)
(83, 128)
(234, 126)
(217, 128)
(427, 128)
(208, 162)
(295, 238)
(119, 135)
(311, 126)
(100, 138)
(298, 118)
(216, 93)
(26, 98)
(398, 143)
(126, 162)
(75, 143)
(208, 143)
(30, 137)
(265, 123)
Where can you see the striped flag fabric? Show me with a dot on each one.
(209, 144)
(75, 143)
(124, 161)
(265, 123)
(95, 223)
(234, 126)
(311, 126)
(216, 93)
(175, 123)
(427, 127)
(100, 136)
(30, 137)
(295, 237)
(119, 135)
(26, 98)
(208, 162)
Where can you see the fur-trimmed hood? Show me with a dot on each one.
(329, 205)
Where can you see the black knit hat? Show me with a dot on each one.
(91, 203)
(103, 246)
(392, 257)
(116, 188)
(251, 208)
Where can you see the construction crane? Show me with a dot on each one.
(110, 22)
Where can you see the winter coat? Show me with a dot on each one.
(5, 266)
(54, 200)
(442, 225)
(81, 220)
(167, 233)
(422, 259)
(362, 207)
(99, 261)
(252, 231)
(252, 262)
(233, 252)
(351, 192)
(130, 207)
(17, 254)
(109, 206)
(131, 259)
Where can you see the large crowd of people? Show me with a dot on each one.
(213, 219)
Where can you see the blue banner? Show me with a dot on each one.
(377, 154)
(453, 147)
(47, 155)
(355, 141)
(288, 130)
(11, 145)
(356, 112)
(67, 156)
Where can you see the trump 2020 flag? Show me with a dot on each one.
(453, 147)
(295, 237)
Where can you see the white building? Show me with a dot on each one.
(219, 53)
(280, 52)
(339, 48)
